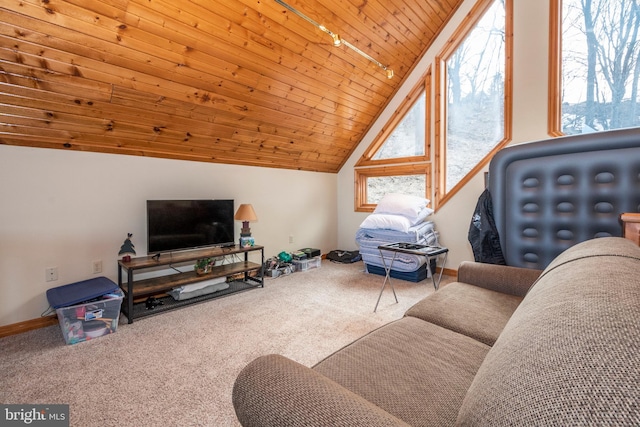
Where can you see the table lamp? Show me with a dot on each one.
(245, 213)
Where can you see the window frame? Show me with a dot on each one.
(554, 108)
(366, 167)
(554, 120)
(362, 174)
(441, 196)
(423, 87)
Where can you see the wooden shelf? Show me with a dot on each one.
(250, 275)
(168, 303)
(185, 256)
(156, 285)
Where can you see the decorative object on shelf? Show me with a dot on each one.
(246, 242)
(127, 249)
(203, 266)
(337, 40)
(245, 213)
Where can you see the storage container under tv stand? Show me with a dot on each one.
(250, 276)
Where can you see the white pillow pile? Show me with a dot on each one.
(398, 212)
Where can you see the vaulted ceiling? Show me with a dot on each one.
(226, 81)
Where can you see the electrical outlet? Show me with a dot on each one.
(290, 239)
(97, 267)
(51, 274)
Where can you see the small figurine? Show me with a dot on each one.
(127, 249)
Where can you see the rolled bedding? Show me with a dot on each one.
(402, 262)
(414, 234)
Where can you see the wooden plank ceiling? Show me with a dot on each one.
(225, 81)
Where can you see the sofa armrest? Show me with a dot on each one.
(276, 391)
(500, 278)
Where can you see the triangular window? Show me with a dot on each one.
(405, 139)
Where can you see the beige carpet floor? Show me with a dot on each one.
(178, 368)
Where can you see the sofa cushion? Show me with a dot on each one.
(569, 354)
(415, 370)
(274, 391)
(473, 311)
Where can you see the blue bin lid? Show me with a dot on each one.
(75, 293)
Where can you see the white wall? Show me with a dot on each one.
(531, 43)
(66, 209)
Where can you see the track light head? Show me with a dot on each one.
(337, 40)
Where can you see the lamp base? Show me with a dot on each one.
(245, 231)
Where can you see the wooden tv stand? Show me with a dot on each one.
(245, 274)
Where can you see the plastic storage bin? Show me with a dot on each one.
(94, 319)
(307, 264)
(88, 309)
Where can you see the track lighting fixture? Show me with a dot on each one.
(337, 40)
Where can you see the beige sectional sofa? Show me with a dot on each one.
(502, 346)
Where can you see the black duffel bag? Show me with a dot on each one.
(344, 257)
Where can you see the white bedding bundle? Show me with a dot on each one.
(397, 218)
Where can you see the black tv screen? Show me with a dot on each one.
(174, 225)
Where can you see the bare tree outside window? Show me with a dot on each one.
(475, 95)
(600, 65)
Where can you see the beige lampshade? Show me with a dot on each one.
(245, 212)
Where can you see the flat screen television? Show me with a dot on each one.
(174, 225)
